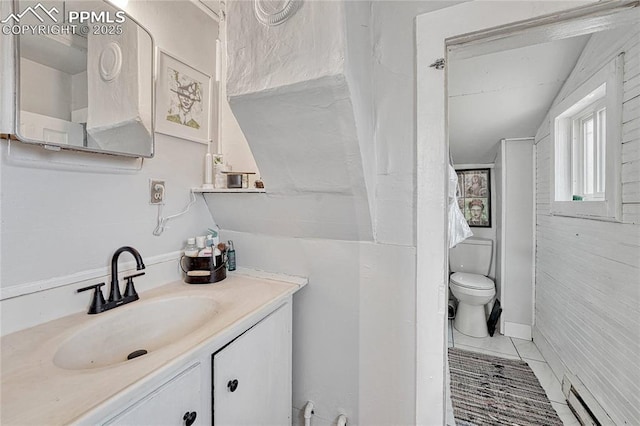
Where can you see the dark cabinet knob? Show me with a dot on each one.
(232, 385)
(189, 418)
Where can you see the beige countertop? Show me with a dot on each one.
(34, 391)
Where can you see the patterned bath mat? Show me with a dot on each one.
(487, 390)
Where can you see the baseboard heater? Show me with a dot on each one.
(583, 404)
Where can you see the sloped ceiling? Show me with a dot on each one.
(504, 95)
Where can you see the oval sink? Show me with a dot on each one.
(139, 327)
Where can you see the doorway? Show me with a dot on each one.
(438, 35)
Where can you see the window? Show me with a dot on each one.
(586, 147)
(588, 154)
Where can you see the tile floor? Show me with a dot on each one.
(509, 347)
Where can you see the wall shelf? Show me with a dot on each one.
(230, 190)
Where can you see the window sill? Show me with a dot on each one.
(594, 210)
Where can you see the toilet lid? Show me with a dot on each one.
(465, 279)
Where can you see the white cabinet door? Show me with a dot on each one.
(252, 375)
(168, 404)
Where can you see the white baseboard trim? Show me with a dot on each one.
(519, 331)
(50, 283)
(549, 354)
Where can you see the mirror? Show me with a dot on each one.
(84, 78)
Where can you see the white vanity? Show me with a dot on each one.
(221, 356)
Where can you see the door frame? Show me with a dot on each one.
(465, 29)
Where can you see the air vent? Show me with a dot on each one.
(585, 407)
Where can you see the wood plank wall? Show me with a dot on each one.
(588, 271)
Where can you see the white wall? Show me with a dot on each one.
(515, 229)
(79, 91)
(587, 281)
(359, 77)
(498, 172)
(299, 120)
(358, 63)
(235, 149)
(394, 100)
(60, 224)
(49, 92)
(284, 54)
(353, 327)
(230, 141)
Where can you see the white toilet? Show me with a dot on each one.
(470, 262)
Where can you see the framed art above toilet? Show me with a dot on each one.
(475, 196)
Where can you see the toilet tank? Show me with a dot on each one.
(473, 255)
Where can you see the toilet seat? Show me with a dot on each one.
(474, 281)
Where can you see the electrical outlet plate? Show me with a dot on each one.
(156, 191)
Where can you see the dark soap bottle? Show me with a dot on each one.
(231, 256)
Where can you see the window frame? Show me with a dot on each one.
(606, 87)
(578, 169)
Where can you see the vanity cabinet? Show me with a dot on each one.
(244, 381)
(243, 334)
(177, 402)
(252, 375)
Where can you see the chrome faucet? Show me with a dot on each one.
(116, 298)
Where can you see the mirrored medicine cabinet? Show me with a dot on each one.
(84, 77)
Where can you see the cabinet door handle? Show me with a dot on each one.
(189, 418)
(232, 385)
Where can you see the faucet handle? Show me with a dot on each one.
(134, 275)
(130, 290)
(98, 301)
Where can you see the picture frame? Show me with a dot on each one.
(184, 99)
(474, 197)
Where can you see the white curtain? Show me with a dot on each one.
(458, 228)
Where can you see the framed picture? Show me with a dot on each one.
(184, 98)
(475, 196)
